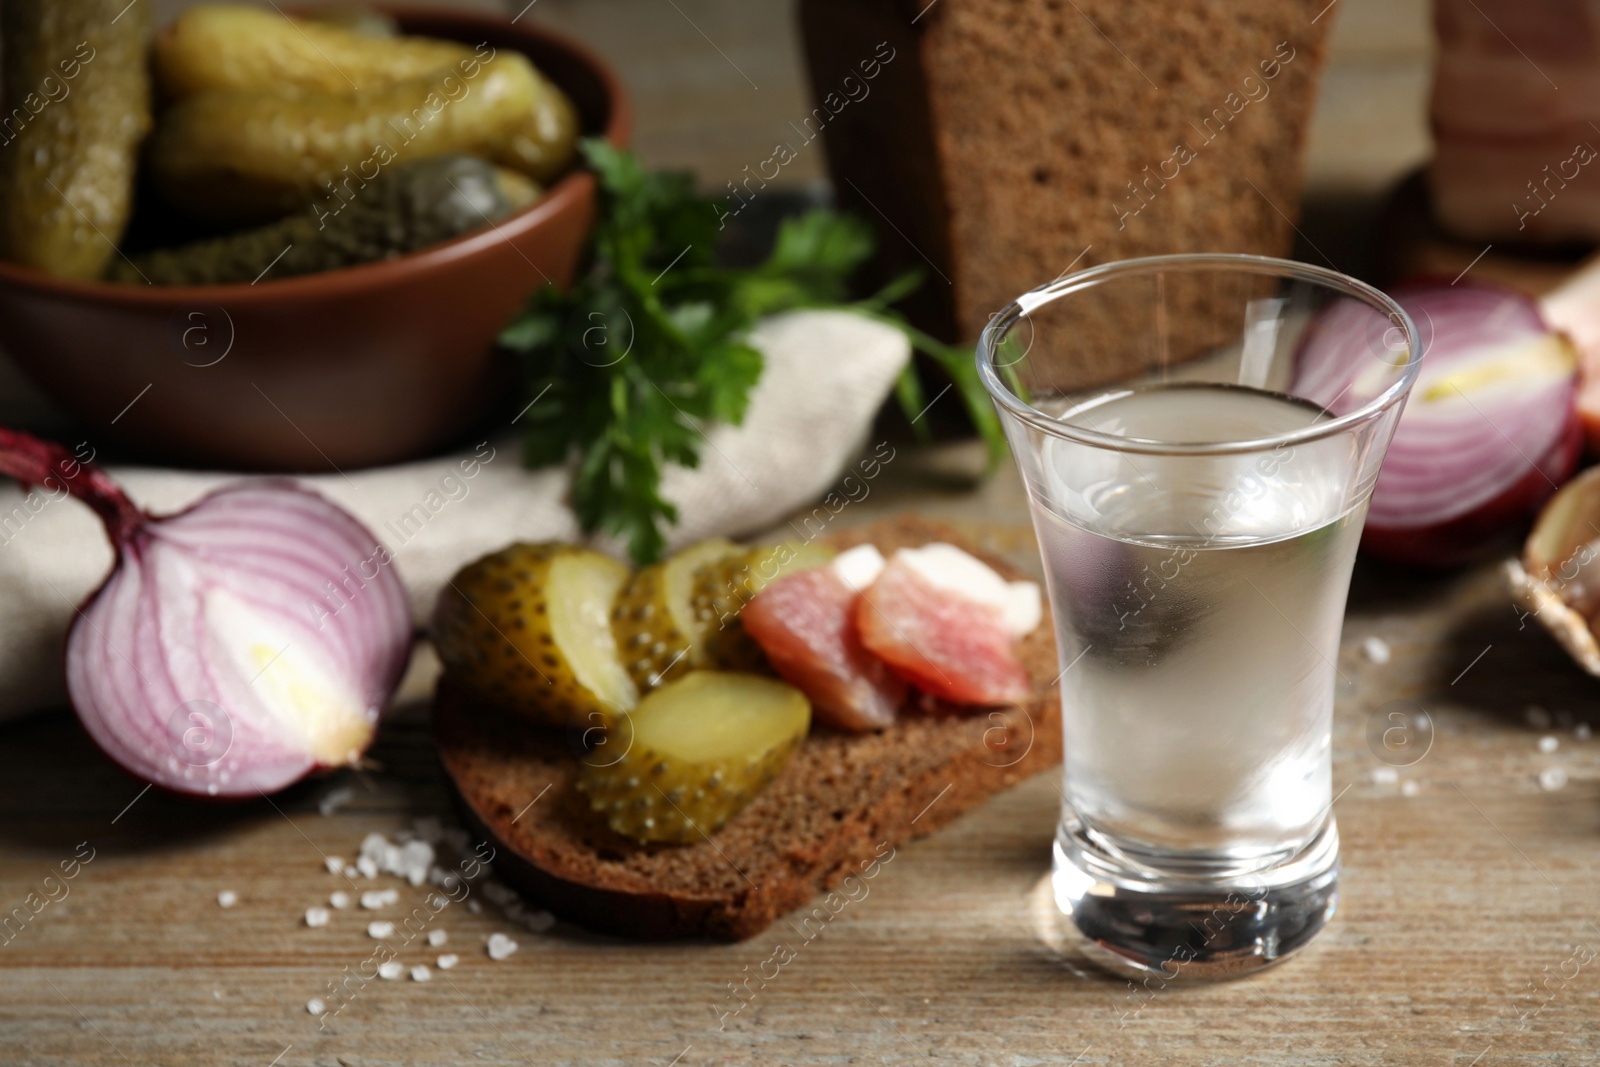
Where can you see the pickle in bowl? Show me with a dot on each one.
(408, 208)
(235, 156)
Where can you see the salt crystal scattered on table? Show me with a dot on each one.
(447, 961)
(334, 799)
(1552, 778)
(415, 859)
(391, 969)
(1548, 744)
(339, 899)
(1581, 731)
(420, 973)
(367, 866)
(499, 893)
(351, 872)
(316, 916)
(437, 937)
(315, 1006)
(227, 898)
(378, 929)
(1385, 776)
(500, 946)
(373, 899)
(1409, 788)
(1375, 649)
(474, 907)
(1536, 717)
(335, 864)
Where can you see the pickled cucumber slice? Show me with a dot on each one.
(697, 751)
(528, 628)
(657, 631)
(724, 586)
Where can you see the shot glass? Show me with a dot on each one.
(1198, 500)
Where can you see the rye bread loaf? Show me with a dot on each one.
(838, 807)
(1004, 141)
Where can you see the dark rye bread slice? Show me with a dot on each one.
(1006, 140)
(828, 814)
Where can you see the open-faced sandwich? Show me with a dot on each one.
(698, 747)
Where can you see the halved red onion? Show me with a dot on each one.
(1488, 433)
(237, 645)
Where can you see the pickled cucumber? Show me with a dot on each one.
(77, 100)
(223, 46)
(658, 633)
(403, 210)
(220, 46)
(544, 145)
(697, 751)
(243, 156)
(527, 628)
(724, 586)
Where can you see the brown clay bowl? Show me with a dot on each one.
(351, 368)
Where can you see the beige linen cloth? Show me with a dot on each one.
(827, 372)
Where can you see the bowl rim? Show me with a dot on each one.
(559, 198)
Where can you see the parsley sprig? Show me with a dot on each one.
(651, 343)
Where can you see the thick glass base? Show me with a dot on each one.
(1204, 920)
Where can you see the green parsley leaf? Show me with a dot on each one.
(626, 370)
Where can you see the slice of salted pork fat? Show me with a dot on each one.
(806, 624)
(947, 623)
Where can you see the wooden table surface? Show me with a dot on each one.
(1466, 932)
(1465, 935)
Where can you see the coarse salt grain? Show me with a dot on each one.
(1385, 776)
(414, 860)
(335, 864)
(391, 969)
(227, 898)
(499, 893)
(316, 916)
(500, 946)
(1548, 744)
(379, 929)
(1582, 731)
(315, 1006)
(351, 872)
(1536, 717)
(1409, 788)
(437, 937)
(339, 899)
(1552, 778)
(334, 799)
(420, 973)
(447, 961)
(474, 907)
(1376, 649)
(367, 866)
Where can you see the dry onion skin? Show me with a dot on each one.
(1557, 580)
